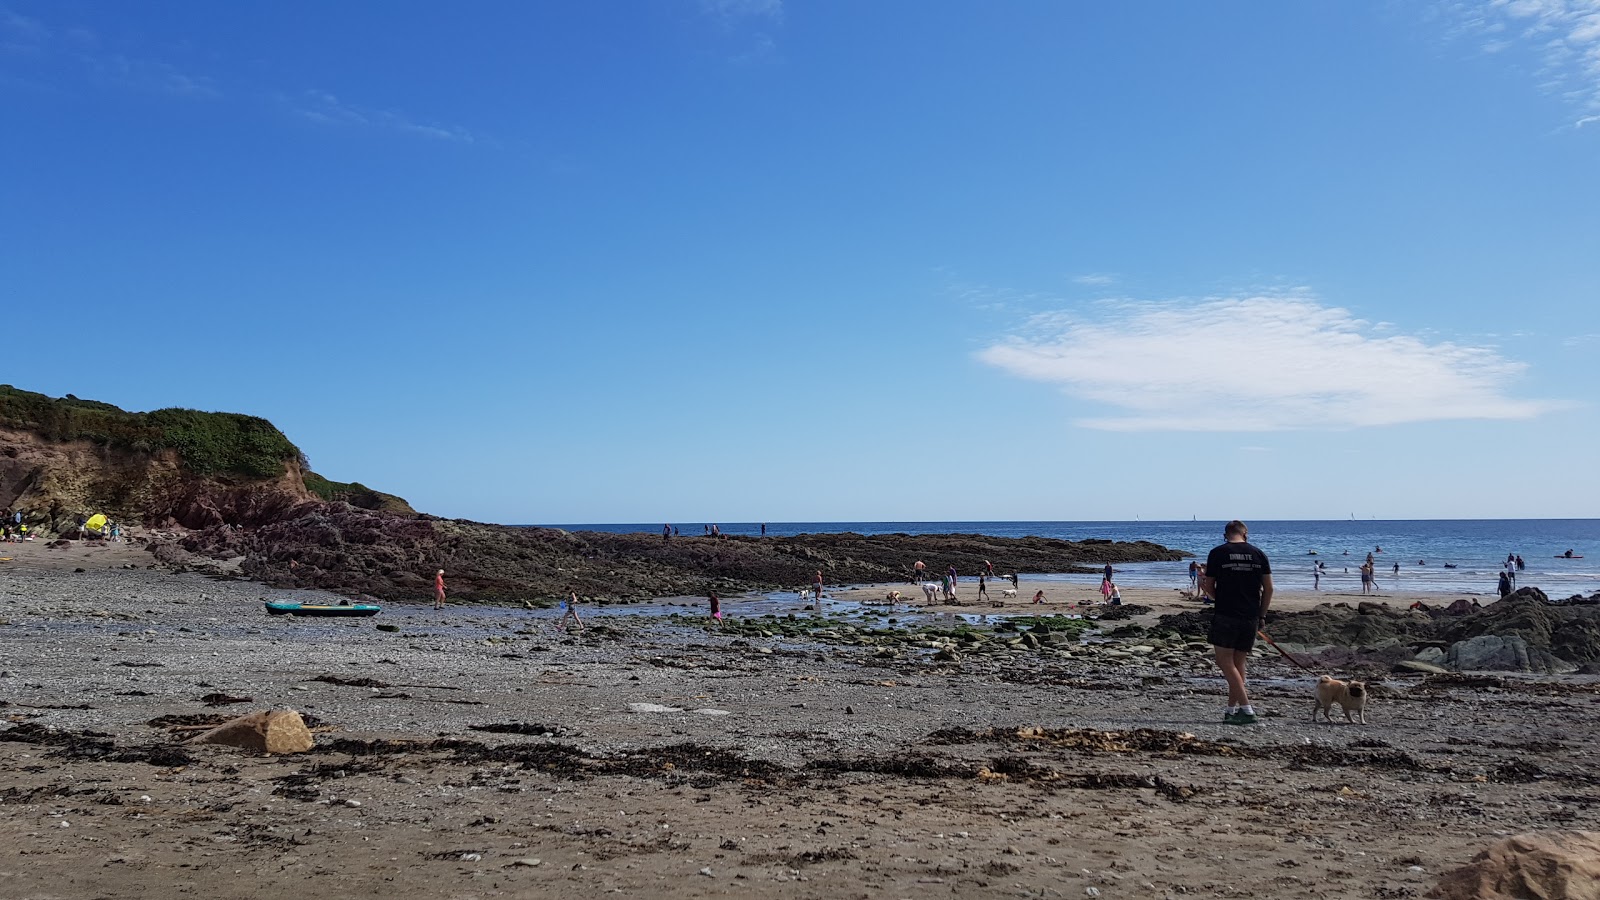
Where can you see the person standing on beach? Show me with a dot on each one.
(1316, 577)
(1239, 576)
(1194, 578)
(953, 576)
(716, 609)
(920, 569)
(1107, 574)
(983, 587)
(666, 532)
(438, 590)
(816, 587)
(1013, 581)
(1504, 587)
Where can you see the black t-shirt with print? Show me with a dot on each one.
(1238, 568)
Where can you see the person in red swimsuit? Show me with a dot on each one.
(438, 590)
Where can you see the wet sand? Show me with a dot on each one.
(654, 757)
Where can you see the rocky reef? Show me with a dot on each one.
(341, 548)
(1523, 632)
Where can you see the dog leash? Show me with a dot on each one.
(1284, 653)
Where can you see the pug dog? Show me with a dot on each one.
(1350, 695)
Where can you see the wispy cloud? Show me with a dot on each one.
(20, 33)
(732, 10)
(1095, 279)
(153, 76)
(751, 24)
(324, 107)
(1565, 35)
(75, 52)
(1256, 363)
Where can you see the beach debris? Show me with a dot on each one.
(1534, 864)
(653, 708)
(273, 731)
(220, 699)
(527, 862)
(713, 712)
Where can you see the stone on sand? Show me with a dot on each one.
(1537, 865)
(274, 731)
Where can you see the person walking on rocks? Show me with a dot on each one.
(666, 532)
(571, 611)
(1239, 576)
(438, 590)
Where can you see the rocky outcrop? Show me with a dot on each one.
(1503, 652)
(1523, 632)
(337, 547)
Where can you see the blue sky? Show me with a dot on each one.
(742, 260)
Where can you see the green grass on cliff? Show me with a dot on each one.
(356, 494)
(209, 443)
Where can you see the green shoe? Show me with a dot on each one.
(1239, 718)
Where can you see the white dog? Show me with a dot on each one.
(1008, 592)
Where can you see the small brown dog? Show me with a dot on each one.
(1350, 695)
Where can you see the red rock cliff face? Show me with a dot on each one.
(54, 482)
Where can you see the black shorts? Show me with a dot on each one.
(1233, 633)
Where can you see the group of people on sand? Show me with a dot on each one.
(950, 580)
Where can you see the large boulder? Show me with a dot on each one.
(1538, 865)
(275, 731)
(1499, 652)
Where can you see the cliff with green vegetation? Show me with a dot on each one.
(62, 458)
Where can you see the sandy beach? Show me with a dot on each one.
(482, 752)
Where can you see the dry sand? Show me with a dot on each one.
(684, 763)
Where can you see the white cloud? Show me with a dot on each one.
(1564, 33)
(327, 108)
(1256, 363)
(1096, 279)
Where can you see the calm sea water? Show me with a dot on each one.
(1475, 548)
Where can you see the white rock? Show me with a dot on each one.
(706, 871)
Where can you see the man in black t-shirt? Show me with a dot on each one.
(1239, 577)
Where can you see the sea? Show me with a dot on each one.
(1457, 556)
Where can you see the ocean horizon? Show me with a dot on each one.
(1433, 555)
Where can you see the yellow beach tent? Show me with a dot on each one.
(96, 523)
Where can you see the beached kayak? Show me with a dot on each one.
(278, 608)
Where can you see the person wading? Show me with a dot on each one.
(1239, 577)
